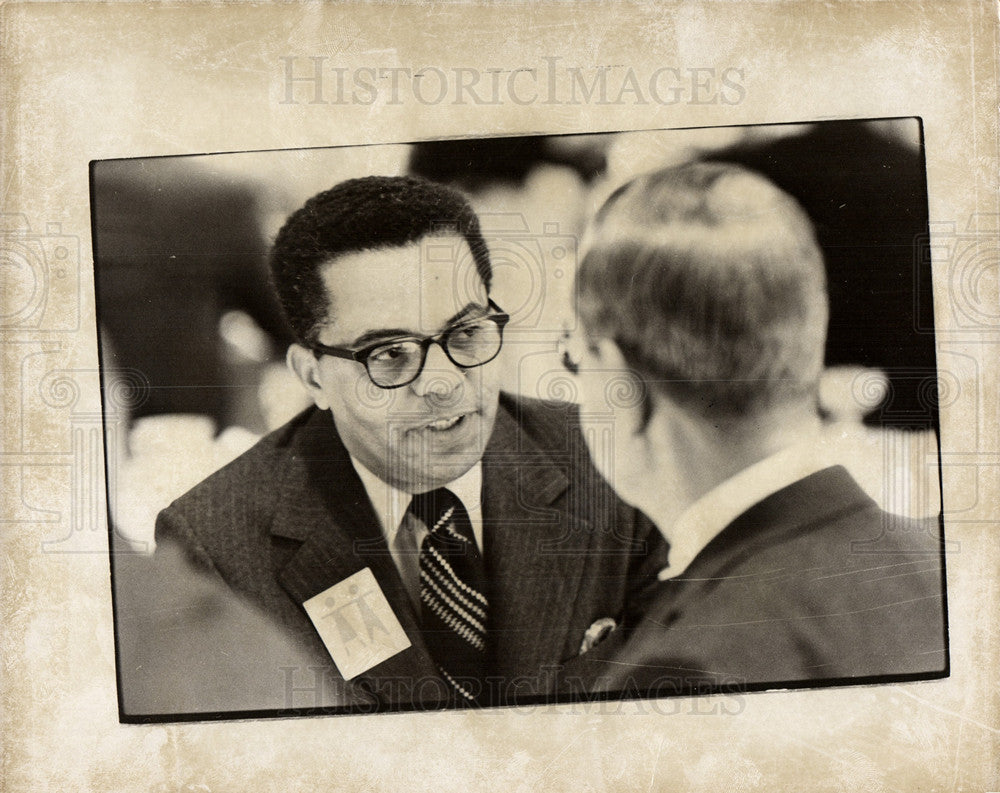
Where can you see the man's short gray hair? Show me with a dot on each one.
(710, 280)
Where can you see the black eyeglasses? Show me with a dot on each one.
(398, 362)
(571, 350)
(571, 364)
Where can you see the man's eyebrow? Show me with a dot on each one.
(373, 336)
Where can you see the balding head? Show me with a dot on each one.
(710, 281)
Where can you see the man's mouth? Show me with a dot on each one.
(445, 423)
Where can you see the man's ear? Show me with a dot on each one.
(626, 393)
(305, 366)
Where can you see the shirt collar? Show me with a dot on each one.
(390, 503)
(700, 523)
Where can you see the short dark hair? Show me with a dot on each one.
(370, 213)
(710, 280)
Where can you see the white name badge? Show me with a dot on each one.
(356, 624)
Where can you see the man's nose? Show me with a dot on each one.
(440, 378)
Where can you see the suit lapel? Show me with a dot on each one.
(534, 586)
(324, 506)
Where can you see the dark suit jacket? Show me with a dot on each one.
(290, 518)
(813, 583)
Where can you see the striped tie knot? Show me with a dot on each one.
(444, 516)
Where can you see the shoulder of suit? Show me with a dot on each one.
(244, 476)
(554, 425)
(847, 530)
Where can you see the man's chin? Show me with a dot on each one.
(437, 455)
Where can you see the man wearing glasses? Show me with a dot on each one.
(428, 538)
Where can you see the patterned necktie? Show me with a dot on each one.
(453, 593)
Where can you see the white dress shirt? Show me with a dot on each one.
(700, 523)
(404, 532)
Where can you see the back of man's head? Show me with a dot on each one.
(710, 281)
(364, 214)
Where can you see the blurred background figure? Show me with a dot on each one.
(183, 296)
(184, 302)
(182, 284)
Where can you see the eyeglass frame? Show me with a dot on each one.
(499, 317)
(566, 358)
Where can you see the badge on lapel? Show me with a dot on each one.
(357, 624)
(597, 633)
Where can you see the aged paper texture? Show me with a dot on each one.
(84, 82)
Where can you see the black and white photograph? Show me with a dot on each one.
(496, 421)
(518, 397)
